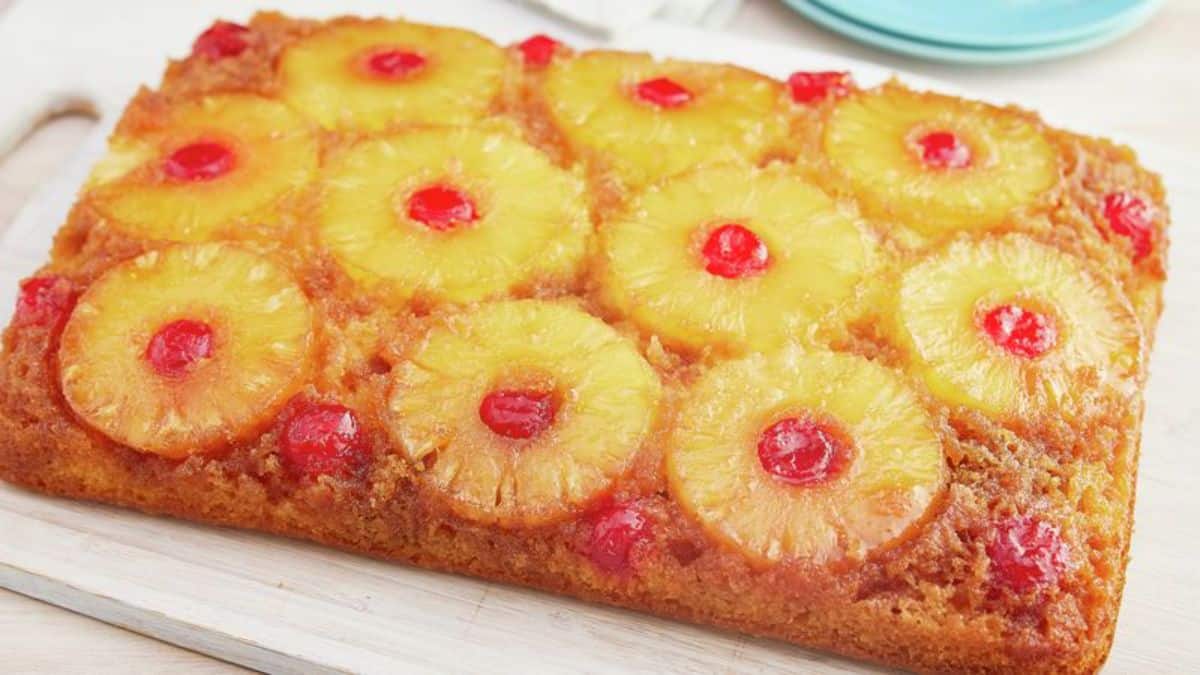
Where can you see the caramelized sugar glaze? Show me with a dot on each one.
(859, 370)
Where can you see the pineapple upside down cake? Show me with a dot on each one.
(859, 369)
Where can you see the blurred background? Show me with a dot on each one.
(1119, 67)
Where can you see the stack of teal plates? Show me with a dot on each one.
(980, 31)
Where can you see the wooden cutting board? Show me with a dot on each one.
(284, 606)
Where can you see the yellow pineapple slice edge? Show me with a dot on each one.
(520, 237)
(272, 152)
(454, 78)
(895, 471)
(872, 140)
(597, 377)
(734, 115)
(261, 343)
(655, 270)
(942, 301)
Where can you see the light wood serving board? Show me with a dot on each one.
(284, 606)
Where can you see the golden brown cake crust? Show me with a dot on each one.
(924, 602)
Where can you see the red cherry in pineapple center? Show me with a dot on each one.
(663, 92)
(1026, 553)
(1130, 216)
(441, 208)
(201, 161)
(519, 414)
(322, 438)
(1020, 331)
(802, 452)
(178, 346)
(394, 64)
(734, 252)
(944, 150)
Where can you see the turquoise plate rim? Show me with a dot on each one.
(957, 54)
(1136, 12)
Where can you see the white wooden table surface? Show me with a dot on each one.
(1142, 87)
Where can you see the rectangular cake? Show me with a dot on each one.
(860, 369)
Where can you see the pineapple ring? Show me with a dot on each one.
(260, 325)
(597, 376)
(871, 138)
(654, 269)
(895, 471)
(943, 297)
(515, 239)
(732, 114)
(459, 77)
(273, 153)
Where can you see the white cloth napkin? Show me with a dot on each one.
(613, 16)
